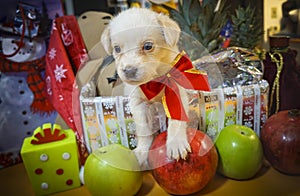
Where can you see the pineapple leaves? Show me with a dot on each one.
(206, 2)
(201, 21)
(247, 27)
(185, 10)
(175, 15)
(194, 11)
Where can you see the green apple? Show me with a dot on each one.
(112, 170)
(240, 152)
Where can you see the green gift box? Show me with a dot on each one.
(50, 157)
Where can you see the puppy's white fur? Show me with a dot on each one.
(144, 45)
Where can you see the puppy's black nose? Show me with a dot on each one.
(130, 72)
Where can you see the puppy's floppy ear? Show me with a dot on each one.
(170, 29)
(105, 40)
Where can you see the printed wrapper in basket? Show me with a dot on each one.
(108, 120)
(244, 105)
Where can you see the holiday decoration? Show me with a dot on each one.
(27, 16)
(66, 53)
(183, 177)
(50, 157)
(226, 34)
(20, 52)
(25, 27)
(280, 136)
(35, 81)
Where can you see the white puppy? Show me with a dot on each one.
(144, 45)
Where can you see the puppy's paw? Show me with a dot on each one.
(178, 148)
(142, 156)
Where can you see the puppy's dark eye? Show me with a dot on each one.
(148, 46)
(117, 49)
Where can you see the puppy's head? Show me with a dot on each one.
(143, 43)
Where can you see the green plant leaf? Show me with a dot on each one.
(195, 9)
(207, 2)
(186, 4)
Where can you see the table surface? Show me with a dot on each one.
(268, 182)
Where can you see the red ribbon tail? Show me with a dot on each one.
(173, 105)
(196, 81)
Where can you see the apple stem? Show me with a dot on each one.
(242, 132)
(294, 112)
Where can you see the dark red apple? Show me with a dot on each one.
(280, 137)
(187, 176)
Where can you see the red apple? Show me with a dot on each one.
(280, 137)
(188, 176)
